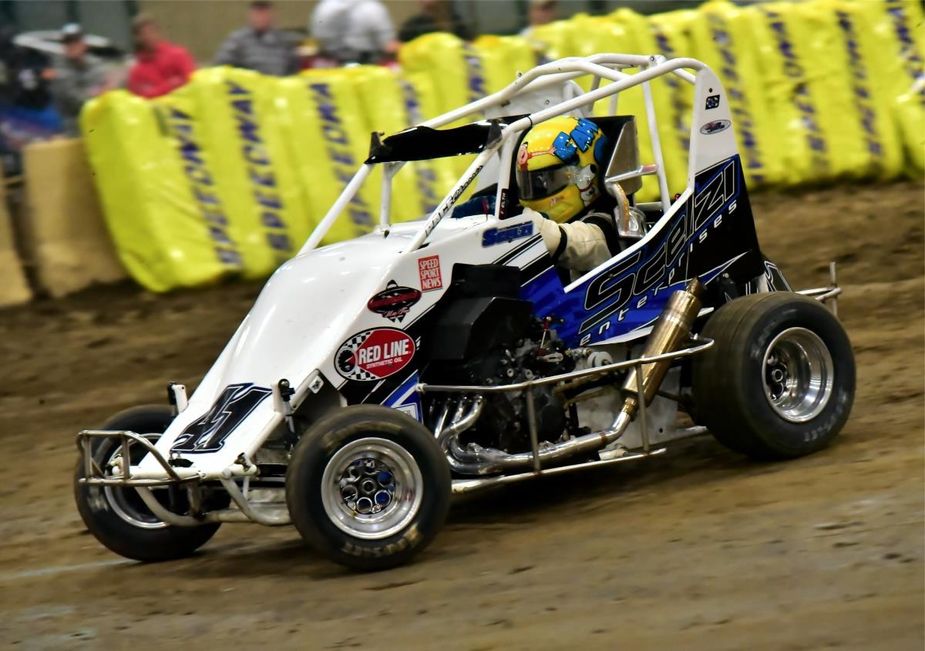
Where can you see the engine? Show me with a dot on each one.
(495, 340)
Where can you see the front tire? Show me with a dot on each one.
(368, 486)
(779, 382)
(117, 516)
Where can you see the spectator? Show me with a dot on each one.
(77, 77)
(541, 12)
(435, 16)
(160, 66)
(260, 46)
(353, 31)
(26, 110)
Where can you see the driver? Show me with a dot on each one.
(558, 171)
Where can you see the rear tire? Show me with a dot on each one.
(117, 516)
(779, 382)
(368, 486)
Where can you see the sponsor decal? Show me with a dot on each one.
(429, 272)
(374, 354)
(505, 200)
(474, 73)
(715, 127)
(424, 170)
(637, 279)
(736, 95)
(202, 186)
(264, 188)
(338, 149)
(680, 116)
(394, 301)
(801, 96)
(909, 51)
(861, 86)
(432, 223)
(508, 234)
(712, 102)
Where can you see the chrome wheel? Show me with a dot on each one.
(798, 375)
(126, 502)
(371, 488)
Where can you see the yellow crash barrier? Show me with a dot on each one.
(227, 175)
(14, 289)
(64, 229)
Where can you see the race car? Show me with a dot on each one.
(375, 378)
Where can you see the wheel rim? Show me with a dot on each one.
(371, 488)
(798, 375)
(126, 502)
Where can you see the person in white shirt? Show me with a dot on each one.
(353, 31)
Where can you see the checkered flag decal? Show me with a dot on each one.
(346, 359)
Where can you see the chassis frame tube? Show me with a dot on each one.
(700, 345)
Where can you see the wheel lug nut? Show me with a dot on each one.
(383, 498)
(364, 505)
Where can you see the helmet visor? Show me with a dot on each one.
(539, 184)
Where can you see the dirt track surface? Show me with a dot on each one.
(697, 550)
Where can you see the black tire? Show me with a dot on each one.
(96, 505)
(321, 444)
(733, 387)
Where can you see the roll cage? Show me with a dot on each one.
(500, 136)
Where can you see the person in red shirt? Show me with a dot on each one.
(160, 66)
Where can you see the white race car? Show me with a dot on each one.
(374, 378)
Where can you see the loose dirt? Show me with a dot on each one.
(699, 549)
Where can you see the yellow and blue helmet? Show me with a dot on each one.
(557, 167)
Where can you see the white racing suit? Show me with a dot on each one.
(579, 245)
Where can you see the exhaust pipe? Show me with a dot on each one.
(670, 331)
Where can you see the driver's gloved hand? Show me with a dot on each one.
(481, 205)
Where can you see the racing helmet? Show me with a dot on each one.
(557, 166)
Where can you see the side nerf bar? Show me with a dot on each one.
(826, 295)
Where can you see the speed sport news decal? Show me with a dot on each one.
(429, 273)
(374, 354)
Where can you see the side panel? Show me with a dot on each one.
(710, 232)
(429, 272)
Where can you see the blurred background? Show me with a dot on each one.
(123, 115)
(202, 24)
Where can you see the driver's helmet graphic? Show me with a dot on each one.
(557, 167)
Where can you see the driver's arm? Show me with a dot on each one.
(576, 245)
